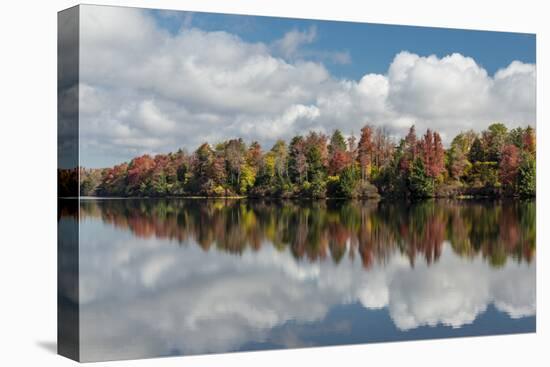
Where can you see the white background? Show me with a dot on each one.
(28, 186)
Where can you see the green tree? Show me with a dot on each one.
(515, 137)
(529, 140)
(494, 139)
(349, 179)
(337, 142)
(315, 163)
(318, 187)
(457, 155)
(419, 183)
(476, 153)
(527, 176)
(202, 169)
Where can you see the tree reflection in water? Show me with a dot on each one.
(319, 230)
(186, 276)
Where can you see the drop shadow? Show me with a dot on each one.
(50, 346)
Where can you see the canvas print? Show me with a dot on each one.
(236, 183)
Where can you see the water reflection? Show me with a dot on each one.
(169, 277)
(318, 230)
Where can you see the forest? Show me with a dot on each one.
(496, 162)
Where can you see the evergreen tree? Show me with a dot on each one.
(476, 153)
(337, 142)
(419, 183)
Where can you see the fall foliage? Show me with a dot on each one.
(317, 230)
(495, 162)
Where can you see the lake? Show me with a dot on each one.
(161, 277)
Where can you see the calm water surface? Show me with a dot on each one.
(179, 277)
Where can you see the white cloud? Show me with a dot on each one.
(292, 41)
(293, 46)
(431, 88)
(149, 91)
(153, 120)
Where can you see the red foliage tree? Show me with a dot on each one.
(509, 165)
(340, 160)
(438, 162)
(254, 156)
(432, 153)
(139, 169)
(365, 150)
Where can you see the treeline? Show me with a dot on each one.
(371, 232)
(496, 162)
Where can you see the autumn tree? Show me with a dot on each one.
(139, 175)
(352, 147)
(316, 156)
(509, 165)
(364, 151)
(281, 159)
(250, 168)
(493, 140)
(247, 179)
(527, 176)
(254, 155)
(162, 176)
(432, 154)
(382, 150)
(90, 179)
(297, 161)
(409, 150)
(265, 177)
(457, 155)
(183, 166)
(529, 141)
(203, 168)
(218, 182)
(312, 166)
(234, 151)
(338, 155)
(114, 181)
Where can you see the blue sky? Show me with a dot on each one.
(155, 81)
(372, 47)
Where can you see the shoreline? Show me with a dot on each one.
(382, 198)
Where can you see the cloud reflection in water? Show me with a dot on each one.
(153, 295)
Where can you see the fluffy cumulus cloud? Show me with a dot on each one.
(151, 297)
(146, 90)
